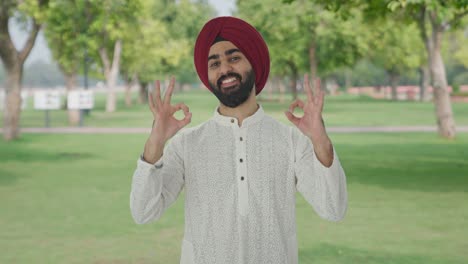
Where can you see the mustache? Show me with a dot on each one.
(229, 75)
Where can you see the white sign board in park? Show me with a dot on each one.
(24, 98)
(47, 100)
(80, 99)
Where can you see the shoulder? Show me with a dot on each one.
(276, 126)
(289, 133)
(191, 132)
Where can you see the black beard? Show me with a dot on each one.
(239, 96)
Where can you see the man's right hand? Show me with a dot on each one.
(165, 124)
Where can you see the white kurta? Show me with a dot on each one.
(240, 185)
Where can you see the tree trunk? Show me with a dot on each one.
(111, 71)
(424, 81)
(348, 79)
(129, 82)
(313, 64)
(276, 87)
(394, 77)
(128, 94)
(293, 86)
(13, 60)
(12, 108)
(270, 90)
(281, 90)
(443, 105)
(293, 80)
(73, 114)
(143, 92)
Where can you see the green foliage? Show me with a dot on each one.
(184, 20)
(77, 27)
(163, 41)
(395, 46)
(35, 9)
(291, 29)
(445, 13)
(65, 32)
(457, 45)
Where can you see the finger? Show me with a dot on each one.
(187, 119)
(151, 103)
(295, 120)
(317, 86)
(320, 100)
(181, 106)
(307, 88)
(168, 95)
(157, 92)
(296, 103)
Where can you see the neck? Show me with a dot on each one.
(243, 111)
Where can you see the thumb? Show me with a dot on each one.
(292, 118)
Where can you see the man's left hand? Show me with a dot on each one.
(311, 123)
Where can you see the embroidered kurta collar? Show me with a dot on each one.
(230, 121)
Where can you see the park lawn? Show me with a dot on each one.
(65, 199)
(343, 110)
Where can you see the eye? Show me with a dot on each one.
(235, 58)
(214, 64)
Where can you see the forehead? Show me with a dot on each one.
(219, 48)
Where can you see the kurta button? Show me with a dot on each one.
(232, 120)
(242, 178)
(241, 160)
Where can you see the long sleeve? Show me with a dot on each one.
(323, 188)
(156, 186)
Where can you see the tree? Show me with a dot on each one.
(150, 50)
(31, 12)
(65, 25)
(440, 16)
(395, 47)
(184, 19)
(305, 35)
(287, 57)
(434, 18)
(110, 22)
(166, 34)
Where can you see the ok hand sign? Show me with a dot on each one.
(311, 124)
(165, 124)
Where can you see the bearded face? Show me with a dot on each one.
(232, 89)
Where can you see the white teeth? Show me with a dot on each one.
(229, 80)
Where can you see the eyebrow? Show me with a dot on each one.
(227, 52)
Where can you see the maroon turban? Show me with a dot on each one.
(242, 35)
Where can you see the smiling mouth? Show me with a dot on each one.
(229, 83)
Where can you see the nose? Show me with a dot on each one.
(225, 68)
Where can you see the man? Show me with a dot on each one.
(241, 168)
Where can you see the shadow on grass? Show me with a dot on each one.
(26, 155)
(7, 177)
(408, 166)
(327, 253)
(18, 153)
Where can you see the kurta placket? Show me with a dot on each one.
(241, 167)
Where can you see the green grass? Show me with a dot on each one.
(65, 199)
(344, 110)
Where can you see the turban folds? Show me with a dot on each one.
(243, 36)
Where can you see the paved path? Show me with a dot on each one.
(124, 130)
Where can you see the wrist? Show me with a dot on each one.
(157, 137)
